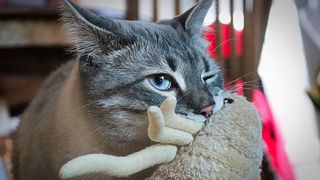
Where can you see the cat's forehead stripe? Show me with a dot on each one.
(180, 80)
(172, 63)
(206, 65)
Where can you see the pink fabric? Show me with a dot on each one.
(210, 36)
(225, 40)
(273, 141)
(239, 87)
(225, 44)
(239, 44)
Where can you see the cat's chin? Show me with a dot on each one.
(194, 117)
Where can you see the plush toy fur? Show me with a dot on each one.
(228, 147)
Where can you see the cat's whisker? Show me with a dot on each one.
(84, 106)
(241, 77)
(66, 154)
(182, 97)
(228, 40)
(253, 84)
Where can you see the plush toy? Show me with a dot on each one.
(228, 146)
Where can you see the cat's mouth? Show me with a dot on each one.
(219, 103)
(193, 117)
(201, 118)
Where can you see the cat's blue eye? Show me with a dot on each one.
(161, 82)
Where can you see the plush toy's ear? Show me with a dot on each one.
(192, 20)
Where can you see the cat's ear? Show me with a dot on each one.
(192, 20)
(94, 34)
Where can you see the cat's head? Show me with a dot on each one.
(127, 66)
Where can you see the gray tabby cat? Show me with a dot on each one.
(97, 103)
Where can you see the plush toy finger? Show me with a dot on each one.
(175, 121)
(159, 133)
(118, 166)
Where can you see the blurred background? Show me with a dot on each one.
(269, 51)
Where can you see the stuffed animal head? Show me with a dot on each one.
(228, 147)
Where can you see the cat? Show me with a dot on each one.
(97, 103)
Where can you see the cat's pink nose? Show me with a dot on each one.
(207, 111)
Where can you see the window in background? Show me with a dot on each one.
(110, 8)
(146, 10)
(165, 9)
(117, 9)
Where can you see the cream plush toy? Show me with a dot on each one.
(228, 146)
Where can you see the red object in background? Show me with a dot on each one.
(225, 45)
(238, 44)
(235, 86)
(225, 40)
(272, 138)
(239, 87)
(210, 36)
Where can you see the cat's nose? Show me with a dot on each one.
(207, 111)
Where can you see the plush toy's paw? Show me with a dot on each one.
(176, 121)
(165, 126)
(159, 133)
(118, 166)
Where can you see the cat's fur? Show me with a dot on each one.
(97, 103)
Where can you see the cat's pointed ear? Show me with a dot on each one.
(94, 33)
(192, 20)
